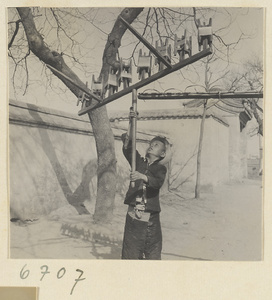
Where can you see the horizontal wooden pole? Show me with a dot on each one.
(148, 80)
(82, 88)
(146, 43)
(180, 96)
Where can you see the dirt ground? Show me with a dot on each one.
(223, 225)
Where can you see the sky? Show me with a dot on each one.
(249, 21)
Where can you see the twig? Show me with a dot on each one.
(17, 26)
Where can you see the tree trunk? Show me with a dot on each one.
(106, 165)
(104, 141)
(106, 171)
(198, 166)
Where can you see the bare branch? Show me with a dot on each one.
(194, 15)
(42, 51)
(146, 26)
(27, 75)
(179, 171)
(114, 40)
(157, 25)
(17, 26)
(178, 12)
(185, 180)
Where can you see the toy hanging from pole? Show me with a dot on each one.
(84, 99)
(183, 46)
(205, 35)
(165, 50)
(162, 53)
(97, 87)
(125, 73)
(112, 83)
(144, 65)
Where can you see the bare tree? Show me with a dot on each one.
(106, 171)
(213, 80)
(249, 78)
(155, 24)
(211, 83)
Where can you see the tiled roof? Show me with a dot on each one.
(165, 114)
(22, 113)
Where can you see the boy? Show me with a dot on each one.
(142, 234)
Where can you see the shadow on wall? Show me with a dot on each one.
(82, 192)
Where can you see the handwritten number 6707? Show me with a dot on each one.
(44, 270)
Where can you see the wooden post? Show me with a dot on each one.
(133, 132)
(198, 166)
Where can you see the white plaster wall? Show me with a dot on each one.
(184, 134)
(53, 160)
(46, 165)
(51, 163)
(244, 153)
(215, 159)
(237, 150)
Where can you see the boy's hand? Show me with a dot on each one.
(137, 175)
(124, 137)
(132, 114)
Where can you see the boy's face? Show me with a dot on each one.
(156, 148)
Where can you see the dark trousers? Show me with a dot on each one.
(142, 240)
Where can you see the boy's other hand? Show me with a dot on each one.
(137, 175)
(124, 137)
(133, 114)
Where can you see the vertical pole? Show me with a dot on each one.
(134, 130)
(198, 172)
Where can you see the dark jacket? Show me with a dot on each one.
(155, 174)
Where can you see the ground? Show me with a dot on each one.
(223, 225)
